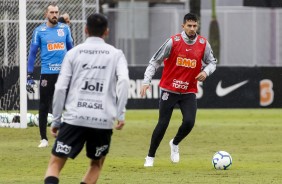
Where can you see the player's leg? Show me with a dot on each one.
(68, 144)
(97, 147)
(54, 168)
(47, 87)
(52, 80)
(166, 105)
(188, 107)
(94, 170)
(44, 104)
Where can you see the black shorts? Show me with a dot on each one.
(71, 140)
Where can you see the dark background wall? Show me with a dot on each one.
(253, 87)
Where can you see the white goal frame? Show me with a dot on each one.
(23, 62)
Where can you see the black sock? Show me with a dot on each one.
(51, 180)
(82, 182)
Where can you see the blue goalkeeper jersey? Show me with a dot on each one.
(53, 43)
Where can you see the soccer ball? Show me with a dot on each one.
(10, 117)
(16, 118)
(36, 120)
(30, 119)
(16, 121)
(221, 160)
(49, 119)
(4, 120)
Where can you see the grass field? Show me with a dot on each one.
(253, 137)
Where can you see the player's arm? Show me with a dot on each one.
(32, 57)
(69, 41)
(30, 66)
(60, 93)
(154, 64)
(69, 45)
(210, 62)
(122, 89)
(34, 45)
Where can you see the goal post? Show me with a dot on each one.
(23, 62)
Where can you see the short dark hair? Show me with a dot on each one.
(190, 16)
(62, 20)
(97, 24)
(54, 4)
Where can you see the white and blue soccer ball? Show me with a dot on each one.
(11, 116)
(16, 120)
(4, 122)
(49, 119)
(36, 120)
(30, 119)
(221, 160)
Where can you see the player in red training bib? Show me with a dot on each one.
(187, 58)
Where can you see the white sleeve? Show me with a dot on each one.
(122, 85)
(61, 88)
(156, 61)
(209, 60)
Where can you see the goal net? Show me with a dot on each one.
(11, 61)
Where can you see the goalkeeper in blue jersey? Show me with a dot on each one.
(54, 40)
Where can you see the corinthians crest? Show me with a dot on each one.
(176, 38)
(165, 96)
(44, 83)
(202, 41)
(60, 32)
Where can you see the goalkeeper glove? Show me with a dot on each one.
(30, 83)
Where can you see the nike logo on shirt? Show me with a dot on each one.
(220, 91)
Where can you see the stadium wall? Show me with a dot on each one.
(228, 87)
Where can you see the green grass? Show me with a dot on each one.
(253, 137)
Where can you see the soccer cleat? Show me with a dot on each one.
(149, 162)
(174, 152)
(43, 143)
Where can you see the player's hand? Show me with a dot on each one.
(54, 131)
(144, 88)
(201, 76)
(30, 83)
(120, 125)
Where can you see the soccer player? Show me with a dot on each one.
(182, 55)
(54, 40)
(95, 74)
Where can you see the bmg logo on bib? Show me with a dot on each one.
(55, 46)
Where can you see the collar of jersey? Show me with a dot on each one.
(51, 27)
(94, 39)
(187, 40)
